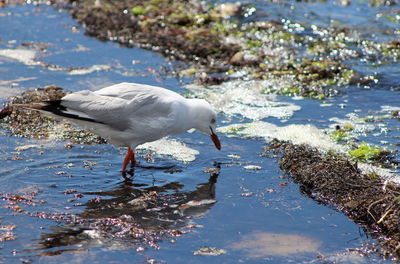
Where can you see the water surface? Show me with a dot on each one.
(77, 208)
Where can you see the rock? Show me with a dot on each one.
(237, 59)
(242, 58)
(229, 9)
(209, 251)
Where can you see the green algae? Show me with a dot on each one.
(366, 153)
(138, 10)
(342, 134)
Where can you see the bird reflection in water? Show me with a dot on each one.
(134, 217)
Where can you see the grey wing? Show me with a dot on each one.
(112, 111)
(130, 91)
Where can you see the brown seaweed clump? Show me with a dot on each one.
(334, 180)
(180, 29)
(214, 42)
(31, 124)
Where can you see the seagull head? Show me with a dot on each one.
(205, 120)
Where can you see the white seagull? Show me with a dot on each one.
(130, 114)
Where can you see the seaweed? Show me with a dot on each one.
(334, 180)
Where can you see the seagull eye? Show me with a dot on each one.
(213, 121)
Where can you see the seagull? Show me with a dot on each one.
(131, 114)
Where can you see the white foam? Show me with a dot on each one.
(93, 68)
(25, 56)
(359, 126)
(382, 172)
(171, 147)
(298, 134)
(389, 108)
(245, 98)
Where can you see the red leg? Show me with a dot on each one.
(133, 160)
(130, 156)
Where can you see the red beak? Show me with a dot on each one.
(216, 141)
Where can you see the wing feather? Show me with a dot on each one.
(140, 108)
(129, 91)
(113, 111)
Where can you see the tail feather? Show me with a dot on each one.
(54, 108)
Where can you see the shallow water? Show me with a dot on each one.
(77, 208)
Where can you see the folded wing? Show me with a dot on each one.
(88, 106)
